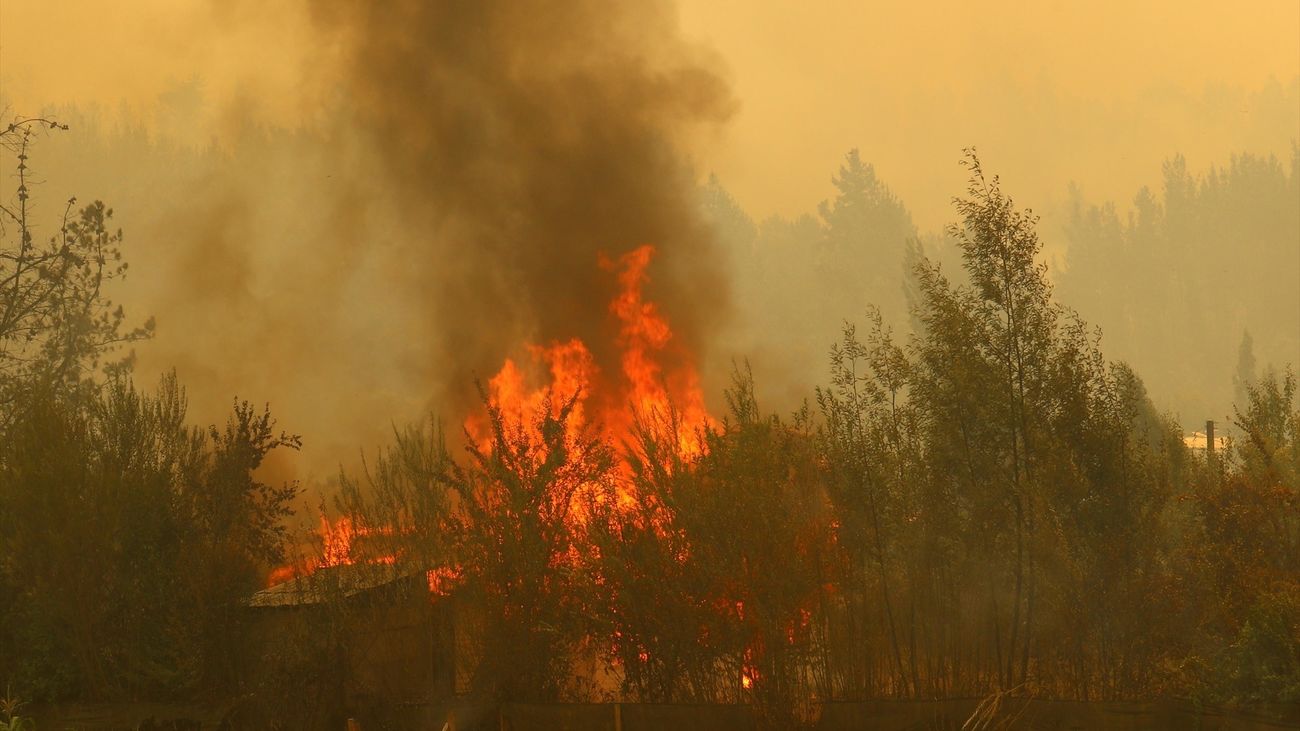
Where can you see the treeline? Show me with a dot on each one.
(1199, 263)
(802, 276)
(1197, 280)
(1209, 245)
(988, 505)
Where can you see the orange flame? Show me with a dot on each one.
(644, 336)
(572, 370)
(748, 673)
(442, 580)
(658, 384)
(337, 538)
(658, 381)
(337, 549)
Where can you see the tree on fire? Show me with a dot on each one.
(508, 522)
(987, 505)
(516, 537)
(712, 576)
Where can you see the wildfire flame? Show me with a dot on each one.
(658, 380)
(656, 385)
(337, 549)
(337, 538)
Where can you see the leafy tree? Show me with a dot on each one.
(869, 443)
(994, 476)
(55, 319)
(866, 229)
(1243, 551)
(803, 276)
(127, 537)
(128, 540)
(714, 575)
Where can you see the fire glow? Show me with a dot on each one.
(337, 539)
(658, 386)
(653, 385)
(658, 383)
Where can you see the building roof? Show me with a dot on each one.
(1196, 440)
(329, 583)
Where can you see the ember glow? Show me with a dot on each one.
(338, 541)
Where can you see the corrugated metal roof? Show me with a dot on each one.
(329, 583)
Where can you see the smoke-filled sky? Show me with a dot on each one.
(1096, 92)
(361, 259)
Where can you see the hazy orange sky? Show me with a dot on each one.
(1099, 91)
(1096, 92)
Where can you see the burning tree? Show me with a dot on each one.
(594, 519)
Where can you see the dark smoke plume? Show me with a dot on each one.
(458, 170)
(519, 141)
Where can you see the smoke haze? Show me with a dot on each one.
(519, 142)
(477, 161)
(353, 212)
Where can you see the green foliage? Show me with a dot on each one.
(56, 321)
(9, 718)
(160, 528)
(869, 440)
(991, 505)
(1001, 486)
(402, 500)
(127, 537)
(1243, 549)
(1263, 662)
(1269, 448)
